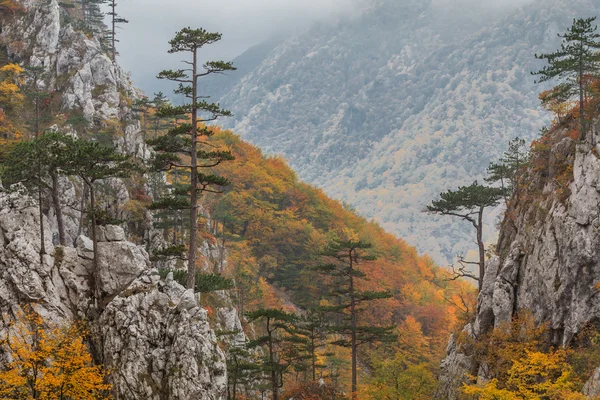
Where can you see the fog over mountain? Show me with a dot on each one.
(387, 109)
(244, 23)
(382, 103)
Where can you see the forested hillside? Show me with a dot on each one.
(387, 109)
(106, 187)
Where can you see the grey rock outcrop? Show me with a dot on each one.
(548, 259)
(152, 333)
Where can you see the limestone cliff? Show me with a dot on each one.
(548, 259)
(152, 334)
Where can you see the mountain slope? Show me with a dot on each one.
(387, 109)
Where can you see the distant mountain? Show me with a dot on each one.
(216, 86)
(387, 109)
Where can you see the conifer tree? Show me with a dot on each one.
(36, 94)
(469, 204)
(38, 164)
(506, 170)
(278, 329)
(92, 14)
(314, 329)
(115, 21)
(182, 148)
(345, 268)
(93, 162)
(574, 63)
(242, 370)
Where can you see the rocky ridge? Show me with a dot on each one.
(548, 260)
(151, 333)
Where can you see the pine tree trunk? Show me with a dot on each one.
(274, 385)
(84, 196)
(113, 4)
(353, 328)
(94, 245)
(40, 197)
(581, 97)
(42, 233)
(191, 278)
(62, 237)
(481, 246)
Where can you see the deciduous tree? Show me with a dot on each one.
(49, 363)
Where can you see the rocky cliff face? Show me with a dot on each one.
(548, 259)
(151, 333)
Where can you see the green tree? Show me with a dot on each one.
(93, 162)
(91, 11)
(506, 171)
(344, 267)
(469, 204)
(242, 370)
(314, 329)
(277, 327)
(37, 164)
(574, 63)
(115, 21)
(182, 142)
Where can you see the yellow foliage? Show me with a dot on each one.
(12, 70)
(53, 363)
(536, 376)
(10, 80)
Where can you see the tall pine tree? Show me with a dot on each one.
(115, 21)
(344, 267)
(182, 148)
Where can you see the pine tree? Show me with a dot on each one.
(38, 164)
(574, 63)
(506, 171)
(346, 258)
(278, 330)
(314, 329)
(180, 149)
(91, 11)
(35, 93)
(93, 162)
(469, 204)
(242, 370)
(115, 21)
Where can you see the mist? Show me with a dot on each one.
(144, 41)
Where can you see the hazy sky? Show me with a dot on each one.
(243, 23)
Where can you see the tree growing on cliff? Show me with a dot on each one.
(575, 63)
(115, 21)
(344, 267)
(181, 148)
(469, 204)
(38, 164)
(507, 170)
(93, 162)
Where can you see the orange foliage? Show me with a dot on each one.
(52, 363)
(281, 224)
(9, 7)
(311, 391)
